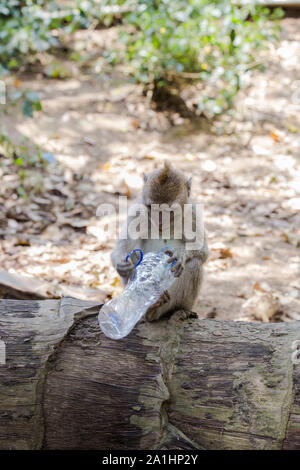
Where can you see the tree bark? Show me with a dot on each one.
(173, 384)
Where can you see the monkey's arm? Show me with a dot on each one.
(202, 252)
(181, 256)
(124, 246)
(118, 256)
(194, 244)
(197, 247)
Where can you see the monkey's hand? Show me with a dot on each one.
(178, 259)
(125, 268)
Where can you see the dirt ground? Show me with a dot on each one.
(103, 135)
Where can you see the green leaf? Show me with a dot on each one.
(27, 108)
(21, 192)
(12, 63)
(32, 96)
(18, 161)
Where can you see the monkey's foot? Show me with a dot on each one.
(154, 313)
(180, 315)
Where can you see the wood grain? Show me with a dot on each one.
(189, 384)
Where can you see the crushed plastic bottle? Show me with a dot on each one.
(149, 279)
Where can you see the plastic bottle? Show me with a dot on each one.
(149, 279)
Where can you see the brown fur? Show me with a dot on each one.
(165, 186)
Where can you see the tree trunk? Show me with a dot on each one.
(169, 385)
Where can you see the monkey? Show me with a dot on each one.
(167, 188)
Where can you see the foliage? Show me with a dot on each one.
(30, 101)
(23, 30)
(27, 164)
(165, 43)
(29, 26)
(170, 42)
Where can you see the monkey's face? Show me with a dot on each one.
(161, 216)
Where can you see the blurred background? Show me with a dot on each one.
(94, 93)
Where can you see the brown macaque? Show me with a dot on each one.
(165, 190)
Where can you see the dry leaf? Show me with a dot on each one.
(89, 141)
(257, 286)
(116, 282)
(274, 136)
(16, 82)
(124, 189)
(261, 306)
(291, 238)
(225, 253)
(292, 128)
(221, 253)
(135, 123)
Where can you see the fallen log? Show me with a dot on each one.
(173, 384)
(30, 288)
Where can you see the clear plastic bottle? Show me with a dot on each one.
(148, 281)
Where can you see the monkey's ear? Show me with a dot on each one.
(145, 177)
(189, 185)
